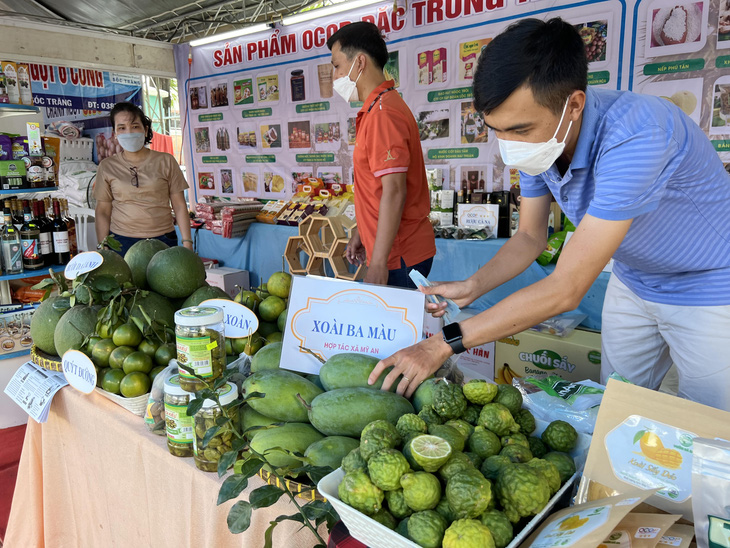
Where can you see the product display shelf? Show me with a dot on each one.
(7, 109)
(17, 354)
(17, 191)
(32, 274)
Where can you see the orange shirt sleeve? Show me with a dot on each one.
(387, 145)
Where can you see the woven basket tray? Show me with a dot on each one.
(136, 405)
(46, 361)
(299, 490)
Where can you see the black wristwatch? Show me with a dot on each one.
(452, 337)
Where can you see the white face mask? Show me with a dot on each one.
(346, 88)
(534, 158)
(131, 142)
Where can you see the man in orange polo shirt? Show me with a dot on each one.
(392, 201)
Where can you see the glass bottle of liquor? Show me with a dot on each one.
(61, 248)
(71, 223)
(459, 200)
(46, 230)
(16, 212)
(30, 237)
(12, 249)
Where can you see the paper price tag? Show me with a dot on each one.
(83, 263)
(239, 320)
(79, 371)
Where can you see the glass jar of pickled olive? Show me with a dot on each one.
(200, 345)
(178, 425)
(206, 458)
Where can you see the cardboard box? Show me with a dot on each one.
(478, 216)
(230, 280)
(532, 354)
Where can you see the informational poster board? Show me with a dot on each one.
(260, 113)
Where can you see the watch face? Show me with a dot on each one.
(452, 332)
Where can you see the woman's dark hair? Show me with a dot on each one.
(361, 37)
(547, 56)
(136, 112)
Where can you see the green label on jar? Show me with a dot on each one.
(179, 424)
(195, 353)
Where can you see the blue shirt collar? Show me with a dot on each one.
(581, 158)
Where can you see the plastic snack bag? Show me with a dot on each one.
(711, 492)
(154, 415)
(452, 309)
(561, 325)
(638, 530)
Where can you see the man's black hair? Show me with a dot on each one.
(547, 56)
(361, 37)
(136, 112)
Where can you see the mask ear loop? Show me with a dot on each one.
(562, 116)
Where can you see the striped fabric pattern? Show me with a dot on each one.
(640, 157)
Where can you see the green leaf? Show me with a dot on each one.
(194, 406)
(209, 435)
(270, 531)
(105, 282)
(251, 467)
(62, 303)
(109, 295)
(316, 509)
(232, 487)
(139, 323)
(239, 518)
(72, 300)
(111, 242)
(46, 282)
(239, 444)
(264, 496)
(639, 435)
(254, 396)
(226, 461)
(222, 420)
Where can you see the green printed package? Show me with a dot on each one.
(555, 244)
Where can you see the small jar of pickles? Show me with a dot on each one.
(206, 458)
(200, 345)
(178, 425)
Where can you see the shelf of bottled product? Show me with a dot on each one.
(17, 191)
(32, 273)
(17, 354)
(7, 109)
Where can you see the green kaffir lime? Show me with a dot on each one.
(480, 392)
(560, 436)
(468, 533)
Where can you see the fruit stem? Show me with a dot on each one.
(304, 403)
(308, 351)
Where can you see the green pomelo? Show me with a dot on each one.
(155, 306)
(139, 256)
(267, 358)
(283, 390)
(73, 327)
(43, 323)
(113, 266)
(295, 437)
(203, 294)
(346, 411)
(175, 272)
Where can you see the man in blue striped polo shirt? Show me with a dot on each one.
(643, 185)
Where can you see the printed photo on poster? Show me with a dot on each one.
(250, 179)
(469, 53)
(595, 38)
(219, 94)
(720, 122)
(202, 139)
(330, 174)
(299, 178)
(222, 139)
(246, 135)
(475, 178)
(271, 136)
(273, 182)
(685, 93)
(298, 80)
(226, 178)
(473, 128)
(268, 88)
(351, 132)
(723, 25)
(198, 97)
(392, 69)
(324, 80)
(206, 182)
(437, 177)
(433, 124)
(327, 135)
(299, 134)
(243, 92)
(676, 27)
(431, 67)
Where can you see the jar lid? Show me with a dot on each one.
(172, 387)
(199, 315)
(297, 72)
(227, 394)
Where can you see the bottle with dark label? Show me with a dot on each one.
(16, 212)
(71, 223)
(46, 228)
(459, 200)
(12, 249)
(61, 248)
(30, 237)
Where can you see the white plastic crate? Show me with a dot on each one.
(375, 535)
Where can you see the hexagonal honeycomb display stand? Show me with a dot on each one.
(322, 239)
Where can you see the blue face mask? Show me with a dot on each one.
(131, 142)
